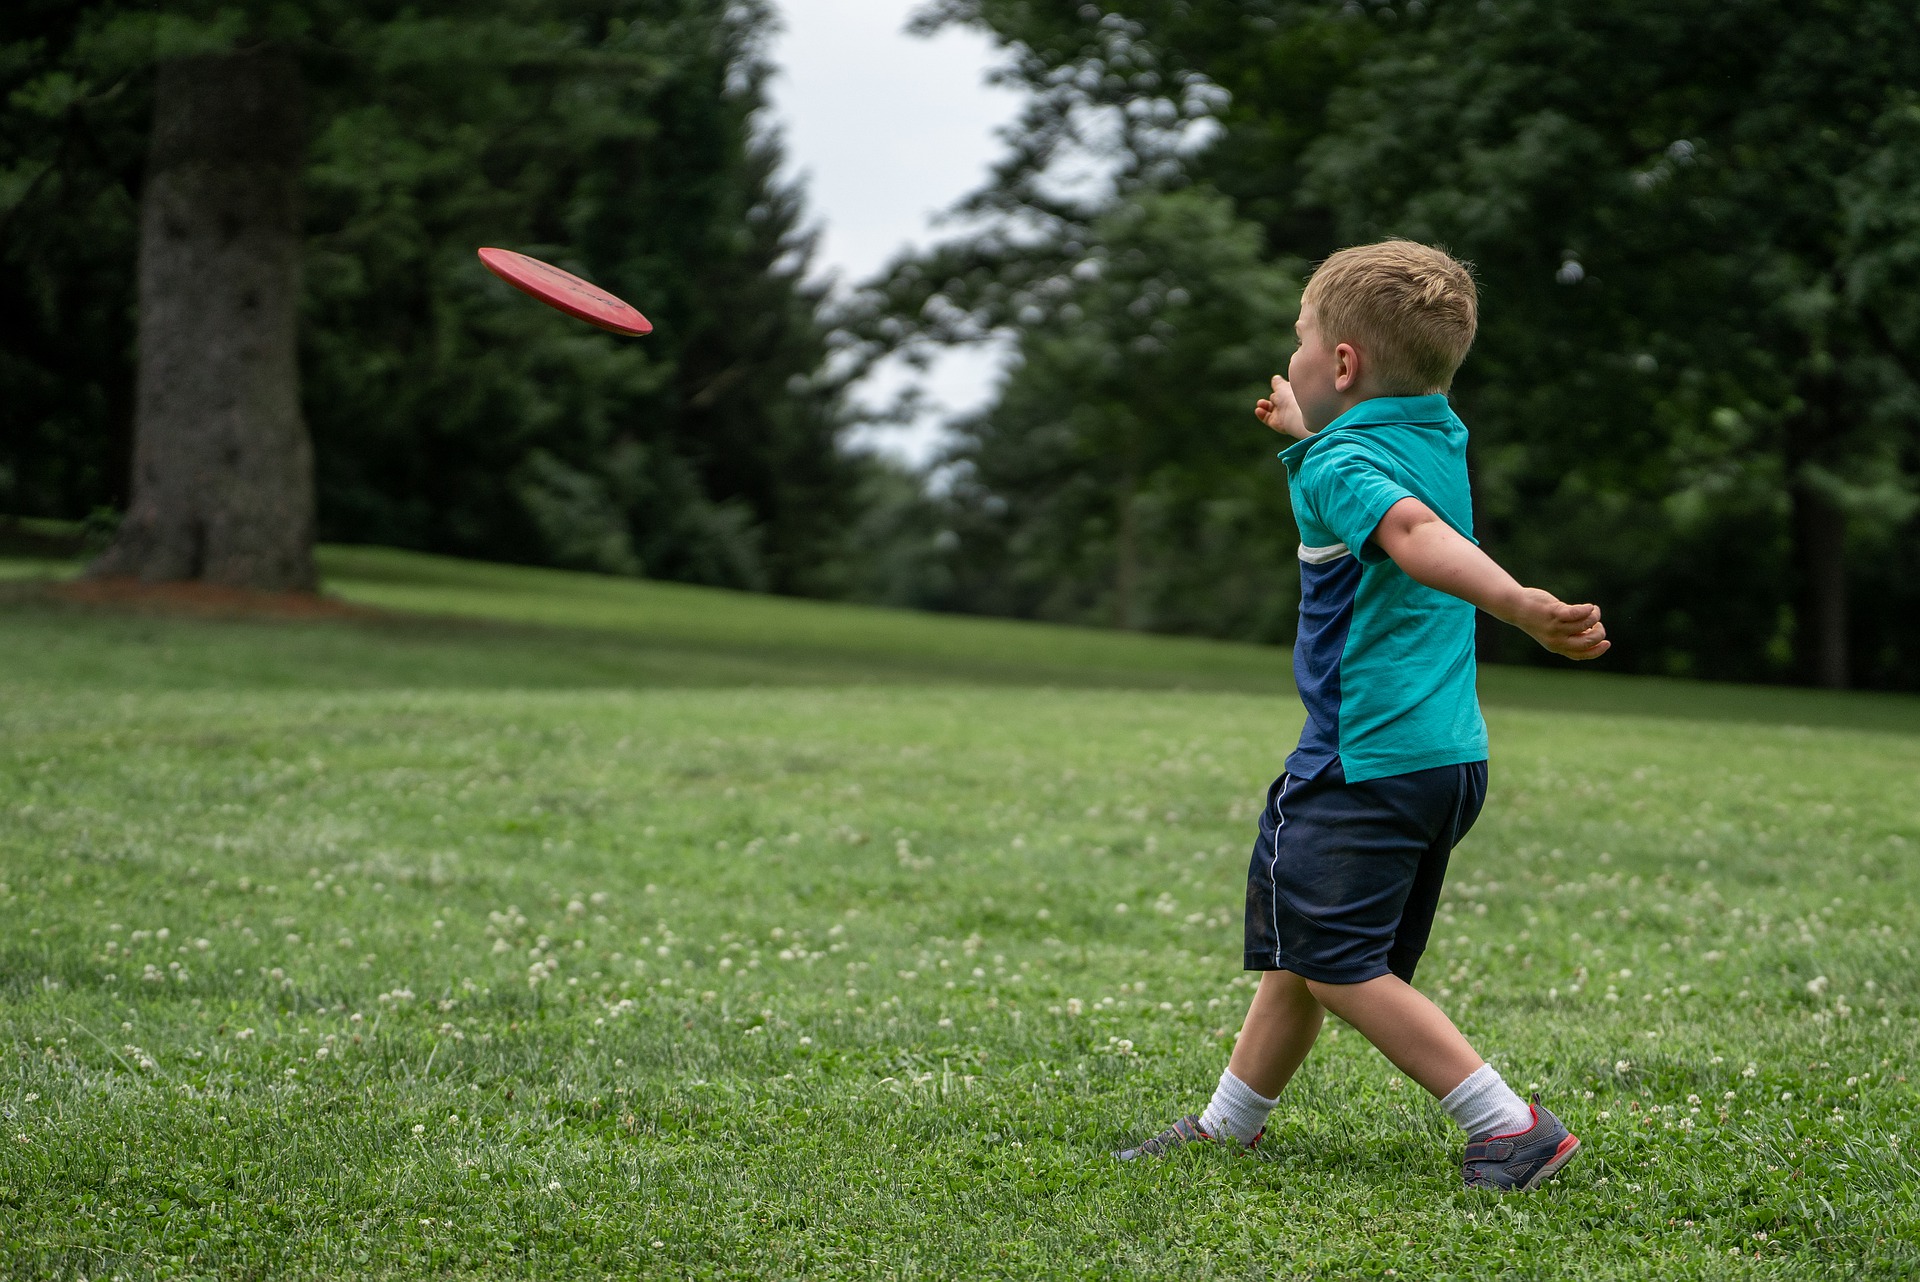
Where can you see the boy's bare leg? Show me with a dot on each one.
(1282, 1023)
(1407, 1028)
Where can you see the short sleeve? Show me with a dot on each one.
(1349, 491)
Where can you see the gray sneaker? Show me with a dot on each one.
(1185, 1131)
(1523, 1160)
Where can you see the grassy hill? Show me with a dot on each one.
(548, 628)
(548, 925)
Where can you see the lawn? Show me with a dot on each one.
(553, 926)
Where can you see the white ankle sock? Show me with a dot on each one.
(1237, 1110)
(1485, 1105)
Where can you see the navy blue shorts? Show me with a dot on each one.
(1346, 876)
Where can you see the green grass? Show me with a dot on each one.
(565, 926)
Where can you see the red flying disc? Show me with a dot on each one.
(565, 292)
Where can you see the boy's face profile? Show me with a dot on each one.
(1325, 377)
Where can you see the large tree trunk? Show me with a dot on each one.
(1820, 553)
(222, 465)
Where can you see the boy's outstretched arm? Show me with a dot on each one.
(1432, 552)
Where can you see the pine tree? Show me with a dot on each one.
(616, 137)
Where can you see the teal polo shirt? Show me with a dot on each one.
(1384, 665)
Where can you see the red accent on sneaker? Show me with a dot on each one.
(1533, 1113)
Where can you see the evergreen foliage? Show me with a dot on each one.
(615, 137)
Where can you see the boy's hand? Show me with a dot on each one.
(1571, 631)
(1282, 412)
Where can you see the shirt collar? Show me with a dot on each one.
(1432, 410)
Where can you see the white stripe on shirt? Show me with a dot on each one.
(1320, 556)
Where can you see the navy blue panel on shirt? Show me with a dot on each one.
(1329, 582)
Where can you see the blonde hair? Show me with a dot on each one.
(1410, 308)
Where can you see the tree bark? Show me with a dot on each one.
(222, 484)
(1820, 553)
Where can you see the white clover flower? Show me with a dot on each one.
(419, 1128)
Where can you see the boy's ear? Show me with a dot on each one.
(1346, 366)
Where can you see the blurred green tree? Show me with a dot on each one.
(616, 137)
(1694, 396)
(1120, 476)
(1694, 224)
(1115, 478)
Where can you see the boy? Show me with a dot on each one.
(1391, 766)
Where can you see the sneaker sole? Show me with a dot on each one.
(1561, 1156)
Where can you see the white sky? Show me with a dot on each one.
(889, 130)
